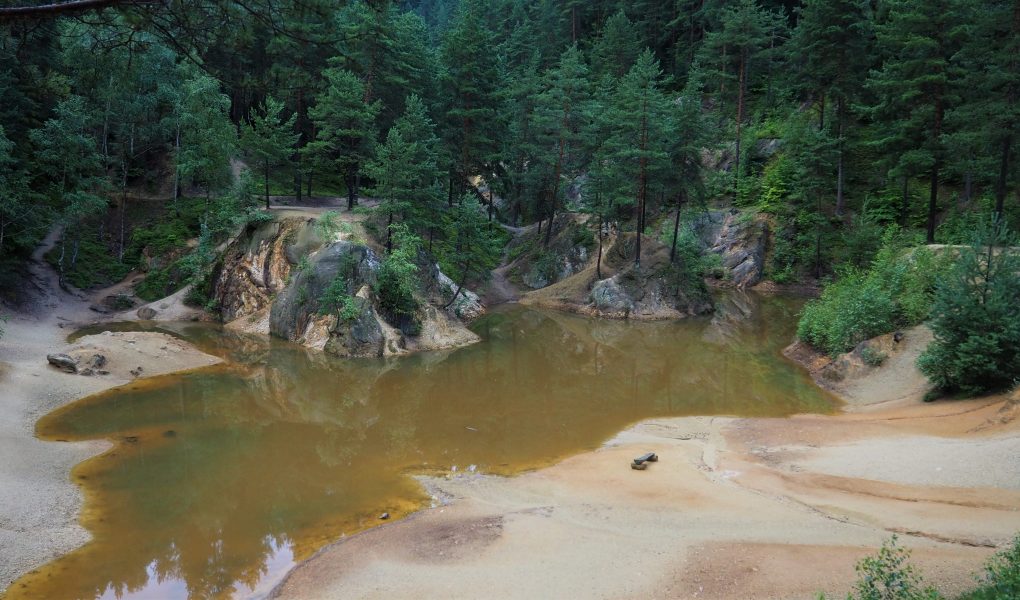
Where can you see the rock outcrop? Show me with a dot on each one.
(740, 240)
(653, 290)
(570, 249)
(273, 279)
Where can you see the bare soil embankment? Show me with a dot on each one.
(735, 508)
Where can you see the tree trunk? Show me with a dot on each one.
(389, 233)
(598, 261)
(821, 111)
(905, 202)
(839, 157)
(642, 180)
(933, 202)
(266, 177)
(741, 90)
(351, 192)
(310, 173)
(933, 195)
(676, 226)
(460, 286)
(177, 189)
(1000, 185)
(968, 188)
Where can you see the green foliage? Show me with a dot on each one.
(88, 262)
(335, 299)
(328, 225)
(872, 357)
(397, 279)
(889, 576)
(896, 291)
(1001, 577)
(976, 319)
(268, 140)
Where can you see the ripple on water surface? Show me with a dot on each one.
(220, 479)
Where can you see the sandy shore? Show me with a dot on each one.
(735, 508)
(38, 502)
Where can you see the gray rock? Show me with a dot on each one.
(146, 313)
(361, 336)
(63, 362)
(298, 303)
(608, 296)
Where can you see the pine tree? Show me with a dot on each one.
(560, 113)
(636, 150)
(976, 319)
(470, 251)
(426, 204)
(617, 47)
(914, 89)
(207, 138)
(471, 79)
(730, 56)
(834, 39)
(67, 151)
(18, 214)
(985, 122)
(345, 127)
(268, 139)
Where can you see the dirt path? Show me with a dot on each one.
(38, 503)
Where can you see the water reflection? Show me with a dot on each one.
(221, 478)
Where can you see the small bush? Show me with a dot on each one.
(872, 357)
(888, 576)
(1001, 579)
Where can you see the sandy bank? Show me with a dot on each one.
(38, 503)
(735, 508)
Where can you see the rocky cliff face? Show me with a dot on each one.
(273, 278)
(739, 239)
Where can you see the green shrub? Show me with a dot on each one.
(872, 357)
(896, 291)
(582, 236)
(976, 319)
(888, 576)
(1001, 579)
(397, 279)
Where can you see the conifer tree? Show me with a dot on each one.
(834, 39)
(987, 119)
(471, 80)
(345, 127)
(560, 115)
(914, 89)
(730, 55)
(617, 47)
(640, 123)
(268, 139)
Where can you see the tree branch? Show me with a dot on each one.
(59, 8)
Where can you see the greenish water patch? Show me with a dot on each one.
(220, 479)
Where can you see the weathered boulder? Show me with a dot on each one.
(360, 336)
(608, 297)
(258, 264)
(146, 313)
(295, 311)
(63, 362)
